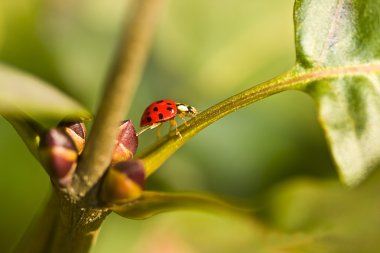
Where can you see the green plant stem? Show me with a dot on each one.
(52, 229)
(120, 88)
(294, 79)
(76, 229)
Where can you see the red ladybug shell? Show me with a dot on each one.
(158, 111)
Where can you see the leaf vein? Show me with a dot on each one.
(332, 31)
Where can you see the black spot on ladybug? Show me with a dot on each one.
(169, 103)
(149, 119)
(158, 102)
(155, 109)
(169, 109)
(160, 116)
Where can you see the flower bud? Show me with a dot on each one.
(126, 143)
(77, 132)
(58, 155)
(123, 182)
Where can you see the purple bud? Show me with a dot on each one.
(77, 132)
(56, 137)
(133, 169)
(126, 143)
(58, 155)
(123, 182)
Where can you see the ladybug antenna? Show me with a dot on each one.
(154, 125)
(142, 131)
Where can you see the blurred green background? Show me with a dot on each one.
(272, 153)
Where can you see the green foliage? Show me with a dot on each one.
(24, 93)
(344, 34)
(336, 33)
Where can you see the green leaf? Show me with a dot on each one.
(344, 34)
(153, 203)
(23, 92)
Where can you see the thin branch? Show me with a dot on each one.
(295, 79)
(118, 94)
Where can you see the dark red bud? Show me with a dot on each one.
(77, 132)
(123, 182)
(133, 169)
(126, 143)
(56, 137)
(58, 155)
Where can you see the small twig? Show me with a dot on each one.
(118, 94)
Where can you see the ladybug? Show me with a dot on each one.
(165, 110)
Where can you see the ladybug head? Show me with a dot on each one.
(187, 110)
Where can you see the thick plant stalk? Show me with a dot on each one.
(53, 231)
(118, 94)
(76, 229)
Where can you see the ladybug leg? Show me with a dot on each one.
(174, 123)
(181, 116)
(158, 133)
